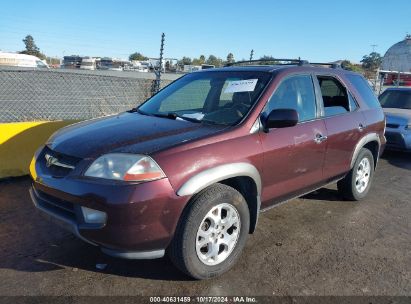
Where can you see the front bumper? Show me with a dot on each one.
(141, 218)
(398, 139)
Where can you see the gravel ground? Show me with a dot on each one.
(315, 245)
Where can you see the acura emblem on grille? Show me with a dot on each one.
(53, 161)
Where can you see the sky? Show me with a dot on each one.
(316, 30)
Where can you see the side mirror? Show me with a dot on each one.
(281, 118)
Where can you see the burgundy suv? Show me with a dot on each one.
(190, 170)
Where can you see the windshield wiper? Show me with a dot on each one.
(170, 115)
(192, 119)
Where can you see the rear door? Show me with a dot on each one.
(344, 124)
(293, 156)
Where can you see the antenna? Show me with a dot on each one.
(373, 47)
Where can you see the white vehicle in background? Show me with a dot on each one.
(88, 63)
(21, 60)
(139, 66)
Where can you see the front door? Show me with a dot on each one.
(293, 156)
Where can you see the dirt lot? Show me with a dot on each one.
(316, 245)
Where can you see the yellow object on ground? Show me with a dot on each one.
(19, 141)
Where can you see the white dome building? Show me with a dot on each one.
(398, 57)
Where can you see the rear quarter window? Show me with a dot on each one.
(365, 91)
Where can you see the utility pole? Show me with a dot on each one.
(377, 73)
(157, 70)
(251, 55)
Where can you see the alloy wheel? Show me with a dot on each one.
(217, 234)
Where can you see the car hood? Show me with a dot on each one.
(126, 133)
(397, 116)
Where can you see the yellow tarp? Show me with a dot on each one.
(19, 141)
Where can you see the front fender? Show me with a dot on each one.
(214, 175)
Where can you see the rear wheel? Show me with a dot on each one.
(211, 233)
(357, 183)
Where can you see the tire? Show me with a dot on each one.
(352, 187)
(200, 224)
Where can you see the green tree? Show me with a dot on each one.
(347, 65)
(371, 62)
(31, 48)
(199, 61)
(184, 61)
(213, 60)
(137, 56)
(230, 58)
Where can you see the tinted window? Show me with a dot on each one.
(365, 90)
(296, 92)
(396, 99)
(335, 97)
(211, 97)
(192, 97)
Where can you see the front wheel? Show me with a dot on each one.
(357, 183)
(212, 232)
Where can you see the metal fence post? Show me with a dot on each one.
(157, 71)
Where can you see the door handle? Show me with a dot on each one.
(319, 138)
(361, 127)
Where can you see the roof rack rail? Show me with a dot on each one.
(274, 61)
(332, 65)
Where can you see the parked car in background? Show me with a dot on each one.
(189, 171)
(396, 103)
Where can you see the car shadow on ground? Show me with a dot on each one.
(74, 255)
(324, 194)
(398, 159)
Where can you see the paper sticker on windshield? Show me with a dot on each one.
(247, 85)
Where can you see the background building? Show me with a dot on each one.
(396, 63)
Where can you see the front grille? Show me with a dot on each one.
(56, 170)
(56, 205)
(393, 126)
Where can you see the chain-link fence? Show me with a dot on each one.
(32, 95)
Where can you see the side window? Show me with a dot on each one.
(336, 100)
(295, 92)
(364, 89)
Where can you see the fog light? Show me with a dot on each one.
(92, 216)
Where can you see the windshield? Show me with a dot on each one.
(396, 99)
(210, 97)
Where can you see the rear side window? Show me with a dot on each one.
(364, 90)
(336, 99)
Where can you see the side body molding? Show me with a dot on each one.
(363, 141)
(210, 176)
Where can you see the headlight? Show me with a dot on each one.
(408, 127)
(126, 167)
